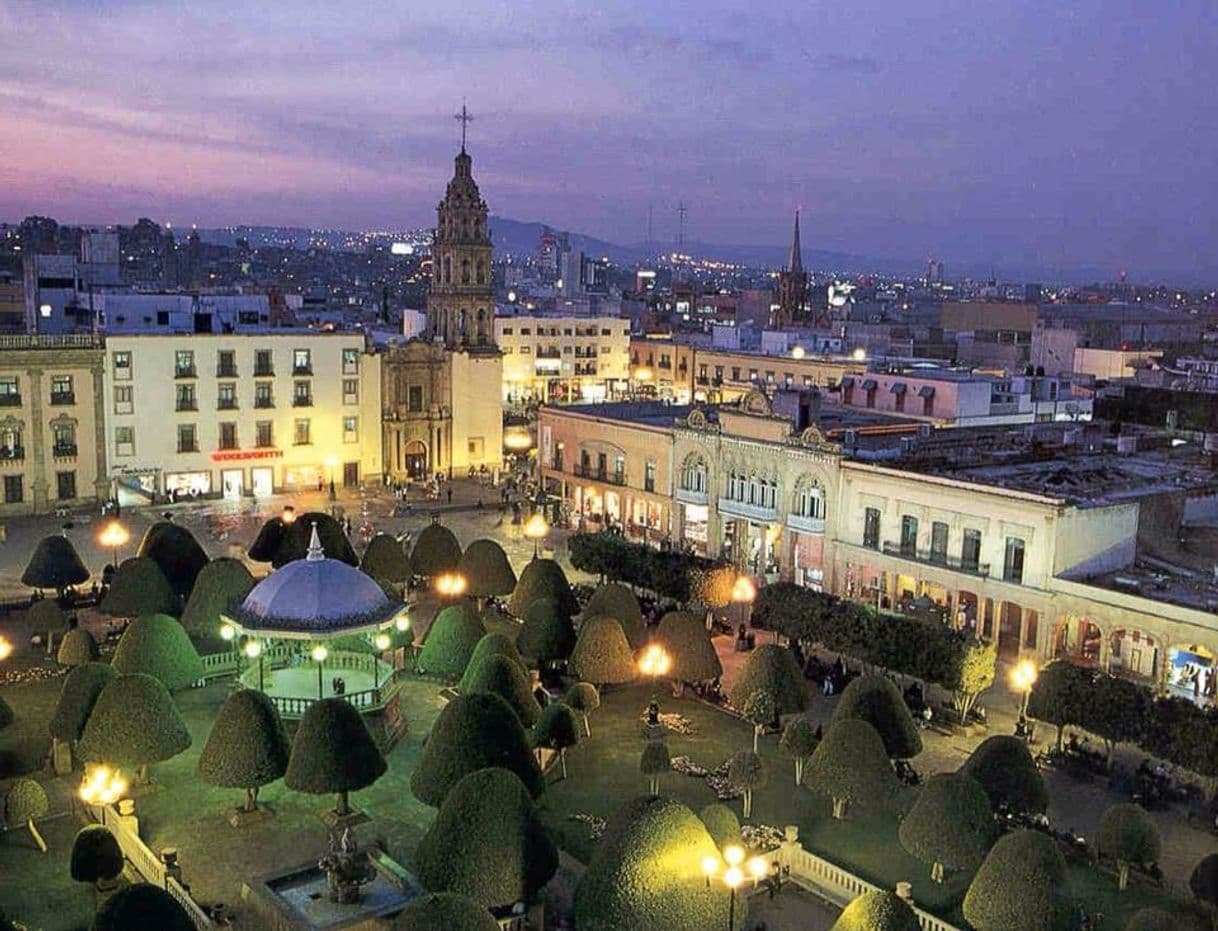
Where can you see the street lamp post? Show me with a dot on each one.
(451, 584)
(319, 654)
(1023, 677)
(114, 536)
(332, 464)
(654, 662)
(536, 529)
(743, 593)
(6, 649)
(253, 649)
(381, 642)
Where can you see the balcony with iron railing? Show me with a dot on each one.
(226, 371)
(63, 398)
(598, 474)
(805, 523)
(302, 369)
(186, 404)
(264, 371)
(11, 455)
(754, 512)
(935, 558)
(226, 404)
(10, 399)
(264, 402)
(64, 450)
(692, 495)
(305, 400)
(185, 371)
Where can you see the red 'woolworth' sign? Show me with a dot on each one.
(241, 455)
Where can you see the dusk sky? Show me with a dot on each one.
(1031, 133)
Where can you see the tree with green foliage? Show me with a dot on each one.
(444, 910)
(247, 747)
(96, 856)
(133, 723)
(385, 559)
(878, 701)
(26, 802)
(55, 565)
(617, 601)
(451, 640)
(1020, 885)
(487, 842)
(6, 713)
(157, 645)
(486, 569)
(746, 774)
(646, 873)
(602, 654)
(688, 643)
(493, 644)
(497, 674)
(1129, 837)
(280, 541)
(139, 587)
(546, 635)
(222, 584)
(851, 766)
(333, 752)
(654, 762)
(1203, 883)
(1057, 695)
(1004, 768)
(77, 697)
(761, 709)
(793, 611)
(950, 825)
(711, 586)
(584, 698)
(721, 823)
(978, 662)
(471, 733)
(542, 578)
(878, 910)
(77, 648)
(1113, 709)
(771, 668)
(556, 729)
(46, 615)
(142, 905)
(1152, 919)
(435, 552)
(799, 740)
(175, 549)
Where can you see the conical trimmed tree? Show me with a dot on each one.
(1020, 885)
(77, 697)
(333, 752)
(543, 578)
(157, 645)
(547, 635)
(617, 601)
(142, 905)
(721, 823)
(772, 669)
(486, 569)
(878, 910)
(688, 642)
(280, 542)
(221, 584)
(435, 552)
(1004, 768)
(878, 701)
(494, 644)
(46, 614)
(950, 825)
(77, 648)
(584, 698)
(497, 674)
(602, 654)
(1129, 837)
(134, 723)
(451, 641)
(799, 740)
(487, 842)
(471, 733)
(556, 729)
(385, 559)
(140, 587)
(850, 766)
(175, 549)
(247, 747)
(444, 910)
(55, 565)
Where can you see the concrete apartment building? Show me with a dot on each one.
(564, 359)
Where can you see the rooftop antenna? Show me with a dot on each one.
(465, 119)
(682, 210)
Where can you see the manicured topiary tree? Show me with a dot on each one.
(1203, 883)
(142, 905)
(157, 645)
(654, 762)
(646, 873)
(1152, 919)
(444, 910)
(850, 765)
(950, 825)
(878, 910)
(279, 542)
(486, 569)
(1021, 884)
(602, 654)
(26, 802)
(745, 773)
(139, 587)
(688, 643)
(385, 559)
(617, 601)
(1004, 768)
(333, 752)
(878, 701)
(547, 635)
(247, 747)
(55, 565)
(435, 551)
(451, 640)
(175, 549)
(497, 674)
(96, 856)
(761, 709)
(584, 698)
(77, 648)
(1128, 836)
(556, 729)
(221, 584)
(493, 644)
(77, 697)
(721, 823)
(771, 668)
(487, 842)
(471, 733)
(134, 723)
(799, 740)
(543, 578)
(46, 615)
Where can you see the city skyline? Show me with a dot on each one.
(1013, 134)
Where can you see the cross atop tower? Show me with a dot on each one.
(465, 119)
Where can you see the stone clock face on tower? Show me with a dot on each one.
(460, 302)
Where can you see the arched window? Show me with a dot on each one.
(461, 321)
(693, 475)
(809, 500)
(465, 271)
(481, 272)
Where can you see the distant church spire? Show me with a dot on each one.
(466, 119)
(795, 263)
(791, 299)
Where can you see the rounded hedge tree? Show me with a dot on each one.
(556, 729)
(487, 842)
(1152, 919)
(444, 910)
(385, 559)
(617, 601)
(486, 569)
(1004, 768)
(221, 584)
(247, 747)
(450, 642)
(157, 645)
(547, 635)
(799, 740)
(77, 697)
(543, 578)
(333, 752)
(878, 701)
(494, 644)
(175, 549)
(77, 648)
(46, 614)
(1019, 885)
(878, 910)
(471, 733)
(584, 698)
(139, 587)
(771, 668)
(1128, 836)
(746, 774)
(602, 654)
(654, 762)
(850, 765)
(142, 905)
(435, 551)
(646, 873)
(55, 565)
(950, 825)
(96, 855)
(280, 542)
(1203, 883)
(26, 802)
(134, 723)
(721, 823)
(688, 642)
(500, 675)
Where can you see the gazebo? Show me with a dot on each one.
(317, 628)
